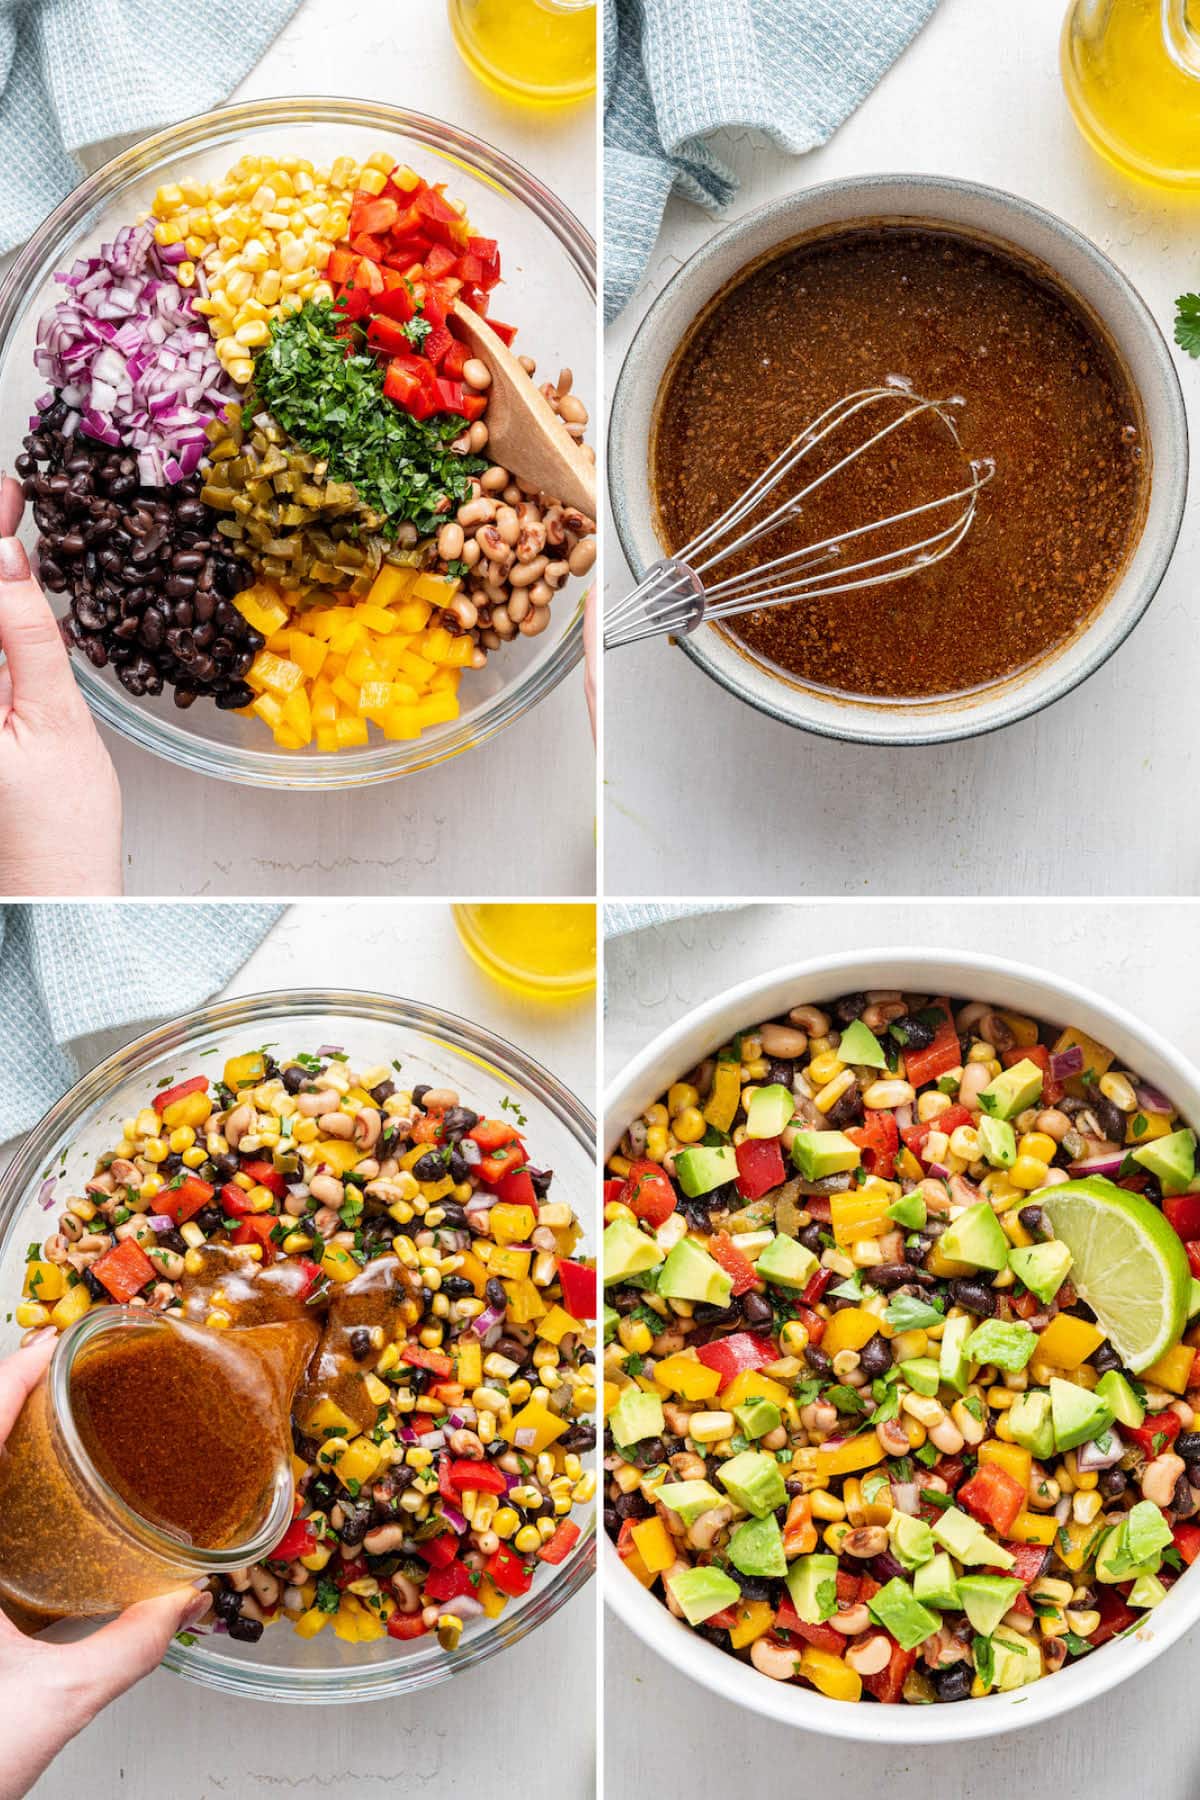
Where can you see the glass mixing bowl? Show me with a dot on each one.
(549, 292)
(431, 1046)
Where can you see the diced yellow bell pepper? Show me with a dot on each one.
(1033, 1528)
(262, 608)
(1011, 1458)
(244, 1071)
(458, 655)
(438, 589)
(946, 1268)
(310, 1622)
(351, 733)
(754, 1618)
(829, 1674)
(347, 636)
(556, 1325)
(437, 643)
(850, 1454)
(1142, 1127)
(413, 615)
(1068, 1341)
(849, 1329)
(654, 1544)
(74, 1303)
(688, 1377)
(269, 710)
(534, 1428)
(1096, 1058)
(720, 1109)
(340, 1154)
(362, 668)
(511, 1224)
(275, 673)
(468, 1362)
(637, 1568)
(193, 1109)
(474, 1271)
(505, 1261)
(400, 722)
(490, 1598)
(298, 714)
(1172, 1370)
(359, 1463)
(308, 652)
(391, 584)
(338, 1264)
(328, 1420)
(1080, 1538)
(751, 1384)
(1024, 1030)
(437, 709)
(525, 1303)
(375, 618)
(45, 1281)
(858, 1216)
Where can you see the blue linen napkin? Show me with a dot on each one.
(678, 69)
(623, 917)
(68, 970)
(75, 72)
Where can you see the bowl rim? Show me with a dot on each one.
(714, 1669)
(493, 1055)
(41, 255)
(1170, 469)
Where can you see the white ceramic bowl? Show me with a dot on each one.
(1043, 996)
(1004, 219)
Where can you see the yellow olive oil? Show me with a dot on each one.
(547, 951)
(542, 52)
(1131, 70)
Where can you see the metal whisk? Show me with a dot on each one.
(683, 591)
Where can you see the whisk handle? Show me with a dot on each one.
(669, 598)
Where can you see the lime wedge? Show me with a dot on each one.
(1127, 1264)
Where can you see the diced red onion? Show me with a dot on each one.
(906, 1498)
(127, 352)
(432, 1440)
(1151, 1098)
(938, 1172)
(463, 1606)
(330, 1050)
(160, 1223)
(1091, 1456)
(1065, 1063)
(904, 1117)
(885, 1567)
(453, 1517)
(525, 1437)
(480, 1201)
(46, 1193)
(1107, 1164)
(484, 1321)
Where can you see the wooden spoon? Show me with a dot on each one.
(525, 434)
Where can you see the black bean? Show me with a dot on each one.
(818, 1361)
(952, 1683)
(227, 1604)
(810, 1237)
(1187, 1445)
(419, 1093)
(756, 1309)
(849, 1008)
(1112, 1483)
(95, 1286)
(974, 1297)
(1106, 1358)
(886, 1276)
(579, 1438)
(1034, 1220)
(246, 1631)
(780, 1073)
(496, 1293)
(875, 1357)
(458, 1120)
(912, 1032)
(455, 1287)
(430, 1167)
(383, 1092)
(360, 1337)
(1183, 1501)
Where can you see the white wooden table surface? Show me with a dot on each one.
(527, 1715)
(1059, 804)
(666, 1735)
(186, 835)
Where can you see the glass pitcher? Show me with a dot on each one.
(1131, 70)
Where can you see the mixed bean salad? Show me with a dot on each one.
(260, 470)
(900, 1378)
(441, 1430)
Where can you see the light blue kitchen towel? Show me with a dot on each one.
(68, 970)
(77, 72)
(622, 917)
(676, 70)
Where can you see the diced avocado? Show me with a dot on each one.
(702, 1167)
(754, 1480)
(770, 1111)
(612, 1319)
(965, 1538)
(922, 1374)
(690, 1273)
(628, 1251)
(998, 1141)
(820, 1153)
(1008, 1343)
(1193, 1299)
(1014, 1664)
(1147, 1532)
(756, 1548)
(1042, 1267)
(934, 1583)
(688, 1498)
(986, 1598)
(1172, 1159)
(1111, 1559)
(975, 1238)
(898, 1610)
(636, 1415)
(910, 1210)
(1114, 1390)
(954, 1365)
(757, 1416)
(1146, 1591)
(911, 1538)
(786, 1263)
(1030, 1423)
(1012, 1091)
(701, 1592)
(812, 1584)
(860, 1045)
(1078, 1414)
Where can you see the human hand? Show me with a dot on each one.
(48, 1692)
(60, 805)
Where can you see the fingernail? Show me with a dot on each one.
(14, 564)
(12, 504)
(195, 1609)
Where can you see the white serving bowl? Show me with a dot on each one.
(1004, 220)
(678, 1049)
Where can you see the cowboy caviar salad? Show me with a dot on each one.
(900, 1378)
(259, 472)
(441, 1429)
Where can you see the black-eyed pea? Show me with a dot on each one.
(471, 553)
(508, 525)
(572, 409)
(480, 511)
(526, 573)
(582, 556)
(535, 622)
(476, 373)
(494, 480)
(557, 572)
(528, 364)
(451, 541)
(490, 639)
(519, 606)
(478, 658)
(556, 532)
(502, 625)
(493, 546)
(565, 378)
(465, 611)
(531, 540)
(769, 1658)
(541, 593)
(477, 437)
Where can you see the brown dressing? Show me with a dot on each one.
(1046, 398)
(385, 1295)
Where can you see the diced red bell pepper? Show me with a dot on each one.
(822, 1636)
(578, 1283)
(560, 1546)
(406, 1625)
(613, 1187)
(389, 337)
(1187, 1542)
(436, 347)
(450, 397)
(421, 1358)
(374, 215)
(369, 274)
(469, 269)
(436, 304)
(124, 1269)
(440, 261)
(915, 1135)
(298, 1540)
(994, 1497)
(1115, 1616)
(507, 1572)
(505, 332)
(818, 1281)
(726, 1254)
(448, 1582)
(312, 1272)
(440, 1550)
(486, 249)
(493, 1169)
(256, 1228)
(921, 1066)
(1193, 1256)
(235, 1201)
(197, 1085)
(366, 243)
(492, 1134)
(1156, 1433)
(430, 1128)
(352, 1568)
(1024, 1305)
(465, 1476)
(730, 1355)
(878, 1138)
(265, 1174)
(1183, 1214)
(1028, 1562)
(185, 1201)
(649, 1194)
(760, 1166)
(813, 1322)
(454, 359)
(396, 301)
(341, 265)
(848, 1585)
(517, 1189)
(352, 301)
(1052, 1090)
(725, 1620)
(472, 407)
(888, 1685)
(951, 1470)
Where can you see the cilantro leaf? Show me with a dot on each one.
(1187, 323)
